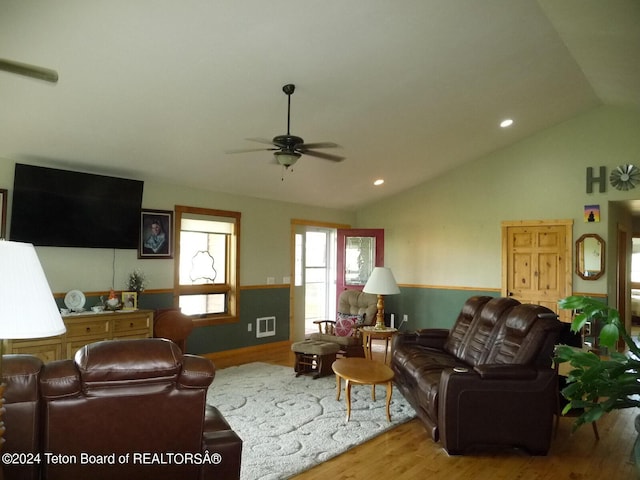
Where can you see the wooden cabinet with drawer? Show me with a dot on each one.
(83, 329)
(96, 326)
(46, 349)
(138, 326)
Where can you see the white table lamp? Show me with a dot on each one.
(27, 306)
(381, 282)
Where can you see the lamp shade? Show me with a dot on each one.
(27, 307)
(381, 282)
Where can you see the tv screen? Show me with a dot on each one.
(62, 208)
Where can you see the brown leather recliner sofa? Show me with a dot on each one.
(488, 382)
(126, 409)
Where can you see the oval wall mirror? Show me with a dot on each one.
(590, 256)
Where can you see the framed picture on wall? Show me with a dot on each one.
(3, 212)
(156, 234)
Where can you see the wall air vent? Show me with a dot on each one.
(265, 327)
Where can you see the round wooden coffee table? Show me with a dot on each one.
(362, 372)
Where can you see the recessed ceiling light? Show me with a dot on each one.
(380, 181)
(507, 122)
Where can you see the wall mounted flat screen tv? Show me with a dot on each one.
(62, 208)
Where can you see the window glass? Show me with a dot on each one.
(206, 263)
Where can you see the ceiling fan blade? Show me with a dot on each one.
(246, 150)
(262, 140)
(33, 71)
(325, 156)
(306, 146)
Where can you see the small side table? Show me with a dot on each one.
(373, 333)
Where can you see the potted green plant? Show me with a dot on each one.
(137, 281)
(599, 384)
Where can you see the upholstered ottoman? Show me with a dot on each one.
(313, 356)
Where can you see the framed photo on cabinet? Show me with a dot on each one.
(156, 234)
(129, 300)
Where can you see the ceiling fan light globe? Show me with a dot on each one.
(286, 158)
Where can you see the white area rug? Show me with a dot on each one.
(291, 424)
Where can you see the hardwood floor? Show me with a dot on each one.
(407, 451)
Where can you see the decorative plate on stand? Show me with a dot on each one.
(625, 177)
(75, 300)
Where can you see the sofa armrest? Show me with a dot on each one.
(222, 444)
(428, 337)
(507, 372)
(197, 372)
(20, 375)
(60, 379)
(224, 447)
(325, 326)
(21, 413)
(432, 337)
(478, 412)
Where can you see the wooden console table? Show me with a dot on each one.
(83, 329)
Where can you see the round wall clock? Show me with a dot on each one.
(625, 177)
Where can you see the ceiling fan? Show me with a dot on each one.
(27, 70)
(288, 148)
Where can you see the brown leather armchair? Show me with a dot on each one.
(172, 324)
(132, 409)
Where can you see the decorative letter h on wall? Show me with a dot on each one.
(601, 180)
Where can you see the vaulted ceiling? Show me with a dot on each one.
(160, 90)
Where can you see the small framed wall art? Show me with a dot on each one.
(591, 213)
(3, 212)
(156, 234)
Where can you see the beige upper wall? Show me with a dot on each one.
(266, 227)
(447, 232)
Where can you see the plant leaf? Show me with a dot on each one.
(609, 335)
(572, 302)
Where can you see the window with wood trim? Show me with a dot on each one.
(207, 252)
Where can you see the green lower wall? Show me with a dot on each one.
(429, 307)
(254, 303)
(425, 307)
